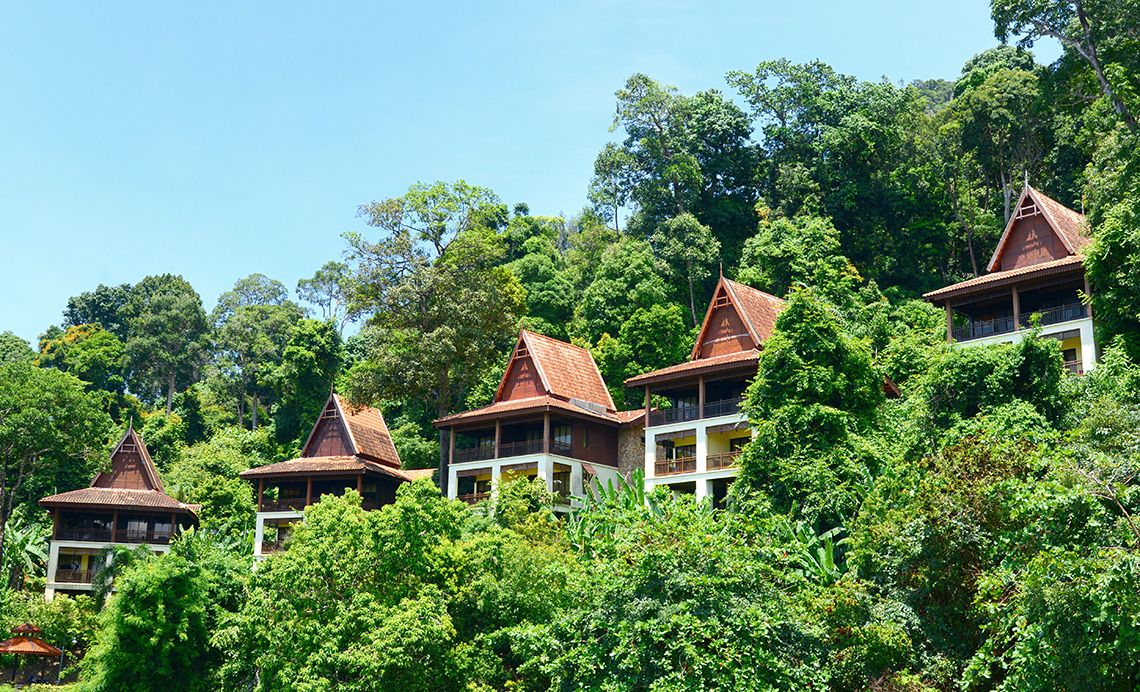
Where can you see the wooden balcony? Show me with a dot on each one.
(1075, 367)
(712, 409)
(670, 467)
(75, 576)
(269, 547)
(473, 498)
(513, 449)
(723, 460)
(84, 534)
(979, 329)
(295, 504)
(150, 537)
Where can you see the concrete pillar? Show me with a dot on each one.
(704, 489)
(258, 534)
(650, 453)
(1088, 346)
(702, 449)
(576, 476)
(546, 471)
(52, 566)
(452, 483)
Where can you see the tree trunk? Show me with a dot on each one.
(241, 406)
(253, 425)
(169, 393)
(692, 300)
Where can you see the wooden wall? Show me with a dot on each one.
(330, 440)
(1031, 241)
(126, 473)
(725, 322)
(522, 380)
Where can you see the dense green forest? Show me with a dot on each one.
(979, 532)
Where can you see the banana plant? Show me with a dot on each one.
(25, 550)
(814, 553)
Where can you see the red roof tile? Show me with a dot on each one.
(534, 403)
(631, 417)
(760, 309)
(1069, 225)
(998, 279)
(311, 465)
(416, 474)
(28, 646)
(567, 371)
(727, 361)
(369, 433)
(118, 497)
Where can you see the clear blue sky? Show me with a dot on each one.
(217, 139)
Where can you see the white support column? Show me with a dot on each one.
(258, 534)
(576, 480)
(650, 452)
(53, 566)
(546, 471)
(703, 489)
(702, 448)
(452, 482)
(1088, 346)
(496, 477)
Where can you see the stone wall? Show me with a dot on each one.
(631, 449)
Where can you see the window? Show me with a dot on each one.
(561, 434)
(737, 443)
(681, 451)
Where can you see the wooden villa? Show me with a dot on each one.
(552, 418)
(347, 449)
(125, 505)
(1037, 269)
(692, 444)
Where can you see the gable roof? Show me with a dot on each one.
(757, 310)
(368, 434)
(1069, 225)
(131, 442)
(565, 370)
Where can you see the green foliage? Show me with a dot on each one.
(802, 250)
(88, 352)
(51, 433)
(106, 306)
(62, 619)
(166, 336)
(650, 339)
(155, 633)
(306, 375)
(25, 551)
(207, 474)
(629, 277)
(815, 396)
(13, 349)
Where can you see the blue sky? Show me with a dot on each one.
(218, 139)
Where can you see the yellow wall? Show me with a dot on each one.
(1074, 343)
(720, 442)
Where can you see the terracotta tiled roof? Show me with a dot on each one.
(760, 309)
(998, 279)
(310, 465)
(1070, 224)
(695, 367)
(568, 371)
(28, 646)
(534, 403)
(416, 474)
(630, 417)
(118, 497)
(369, 433)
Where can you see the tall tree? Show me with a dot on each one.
(309, 366)
(436, 213)
(330, 289)
(251, 324)
(438, 322)
(690, 249)
(106, 306)
(167, 336)
(47, 421)
(1104, 33)
(89, 352)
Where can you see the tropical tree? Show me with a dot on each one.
(166, 336)
(50, 428)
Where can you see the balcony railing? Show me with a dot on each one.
(474, 454)
(133, 536)
(983, 328)
(678, 414)
(75, 576)
(681, 414)
(289, 504)
(473, 498)
(725, 407)
(268, 547)
(1063, 313)
(723, 460)
(1003, 325)
(518, 449)
(100, 535)
(669, 467)
(1075, 367)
